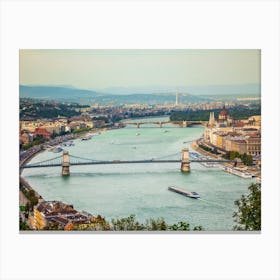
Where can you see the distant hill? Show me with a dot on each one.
(242, 89)
(69, 94)
(147, 99)
(54, 92)
(140, 95)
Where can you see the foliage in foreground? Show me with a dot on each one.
(23, 225)
(131, 224)
(248, 215)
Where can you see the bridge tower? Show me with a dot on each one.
(185, 163)
(65, 164)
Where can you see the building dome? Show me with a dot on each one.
(224, 112)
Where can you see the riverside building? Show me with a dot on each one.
(58, 214)
(242, 136)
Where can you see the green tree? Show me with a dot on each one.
(180, 226)
(184, 226)
(248, 214)
(156, 224)
(23, 225)
(233, 155)
(247, 159)
(128, 223)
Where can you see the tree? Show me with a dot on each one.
(156, 224)
(248, 215)
(180, 226)
(23, 225)
(247, 159)
(128, 223)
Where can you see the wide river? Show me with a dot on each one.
(119, 190)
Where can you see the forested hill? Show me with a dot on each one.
(54, 92)
(238, 113)
(69, 94)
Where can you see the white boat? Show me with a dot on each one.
(86, 138)
(137, 134)
(237, 172)
(56, 150)
(209, 164)
(184, 192)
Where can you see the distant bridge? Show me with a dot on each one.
(64, 161)
(161, 124)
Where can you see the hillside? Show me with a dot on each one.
(89, 96)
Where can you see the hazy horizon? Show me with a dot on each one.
(241, 89)
(103, 69)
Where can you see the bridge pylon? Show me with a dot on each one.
(65, 164)
(185, 163)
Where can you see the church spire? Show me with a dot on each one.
(211, 119)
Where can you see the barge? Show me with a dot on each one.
(184, 192)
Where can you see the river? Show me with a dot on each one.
(117, 191)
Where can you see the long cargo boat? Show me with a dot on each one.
(184, 192)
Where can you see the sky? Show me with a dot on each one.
(99, 69)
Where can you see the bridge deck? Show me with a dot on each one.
(121, 162)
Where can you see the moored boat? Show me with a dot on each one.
(86, 138)
(56, 150)
(237, 172)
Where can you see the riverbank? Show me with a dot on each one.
(254, 173)
(33, 152)
(30, 157)
(194, 145)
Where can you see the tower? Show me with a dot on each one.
(65, 164)
(211, 119)
(185, 163)
(176, 97)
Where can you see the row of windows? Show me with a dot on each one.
(254, 148)
(254, 153)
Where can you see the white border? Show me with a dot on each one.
(157, 24)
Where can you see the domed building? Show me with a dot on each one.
(224, 118)
(223, 115)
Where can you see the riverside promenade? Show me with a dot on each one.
(194, 145)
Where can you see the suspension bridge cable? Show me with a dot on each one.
(165, 156)
(90, 159)
(47, 160)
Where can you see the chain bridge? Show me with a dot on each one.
(66, 160)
